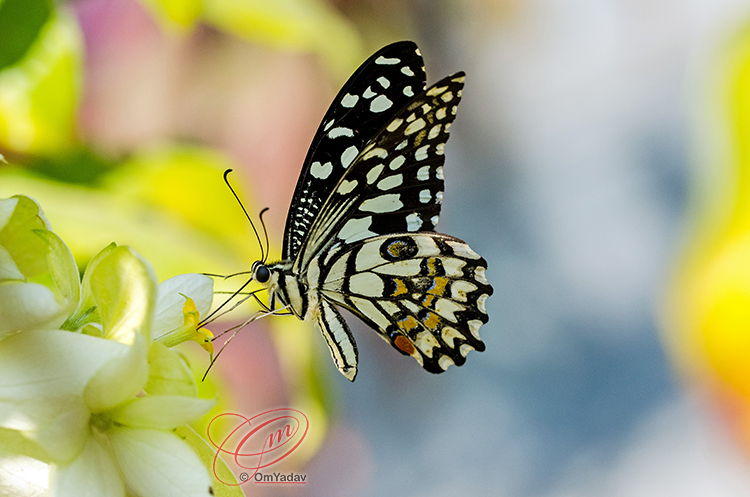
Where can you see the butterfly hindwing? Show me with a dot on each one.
(396, 182)
(383, 84)
(424, 293)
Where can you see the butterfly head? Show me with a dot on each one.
(261, 273)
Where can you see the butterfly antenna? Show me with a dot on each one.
(265, 232)
(226, 180)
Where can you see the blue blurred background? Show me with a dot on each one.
(571, 169)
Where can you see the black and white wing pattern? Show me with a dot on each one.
(382, 85)
(360, 231)
(424, 293)
(396, 182)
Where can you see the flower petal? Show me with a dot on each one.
(62, 266)
(157, 463)
(124, 290)
(92, 474)
(168, 373)
(42, 389)
(224, 481)
(120, 379)
(18, 216)
(22, 476)
(29, 306)
(87, 298)
(162, 412)
(8, 269)
(170, 298)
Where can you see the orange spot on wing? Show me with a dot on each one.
(404, 344)
(438, 286)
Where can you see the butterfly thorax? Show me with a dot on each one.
(284, 287)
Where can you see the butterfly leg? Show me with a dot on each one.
(338, 337)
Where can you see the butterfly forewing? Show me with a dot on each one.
(424, 293)
(396, 182)
(385, 83)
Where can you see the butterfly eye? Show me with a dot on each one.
(262, 274)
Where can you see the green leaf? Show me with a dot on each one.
(39, 95)
(168, 373)
(20, 24)
(62, 266)
(206, 453)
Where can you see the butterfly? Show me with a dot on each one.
(359, 232)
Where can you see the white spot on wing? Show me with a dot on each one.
(461, 288)
(384, 203)
(384, 82)
(408, 91)
(448, 308)
(426, 343)
(413, 222)
(449, 334)
(453, 267)
(474, 325)
(348, 156)
(436, 90)
(349, 100)
(447, 96)
(462, 250)
(415, 126)
(380, 104)
(423, 174)
(445, 361)
(375, 152)
(481, 303)
(407, 70)
(374, 173)
(401, 145)
(356, 229)
(328, 125)
(397, 162)
(393, 125)
(434, 131)
(369, 93)
(321, 171)
(425, 196)
(434, 219)
(367, 284)
(421, 153)
(346, 186)
(480, 276)
(408, 267)
(340, 131)
(385, 61)
(441, 113)
(465, 349)
(391, 182)
(439, 172)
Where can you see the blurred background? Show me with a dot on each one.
(600, 162)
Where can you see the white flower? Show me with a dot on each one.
(97, 400)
